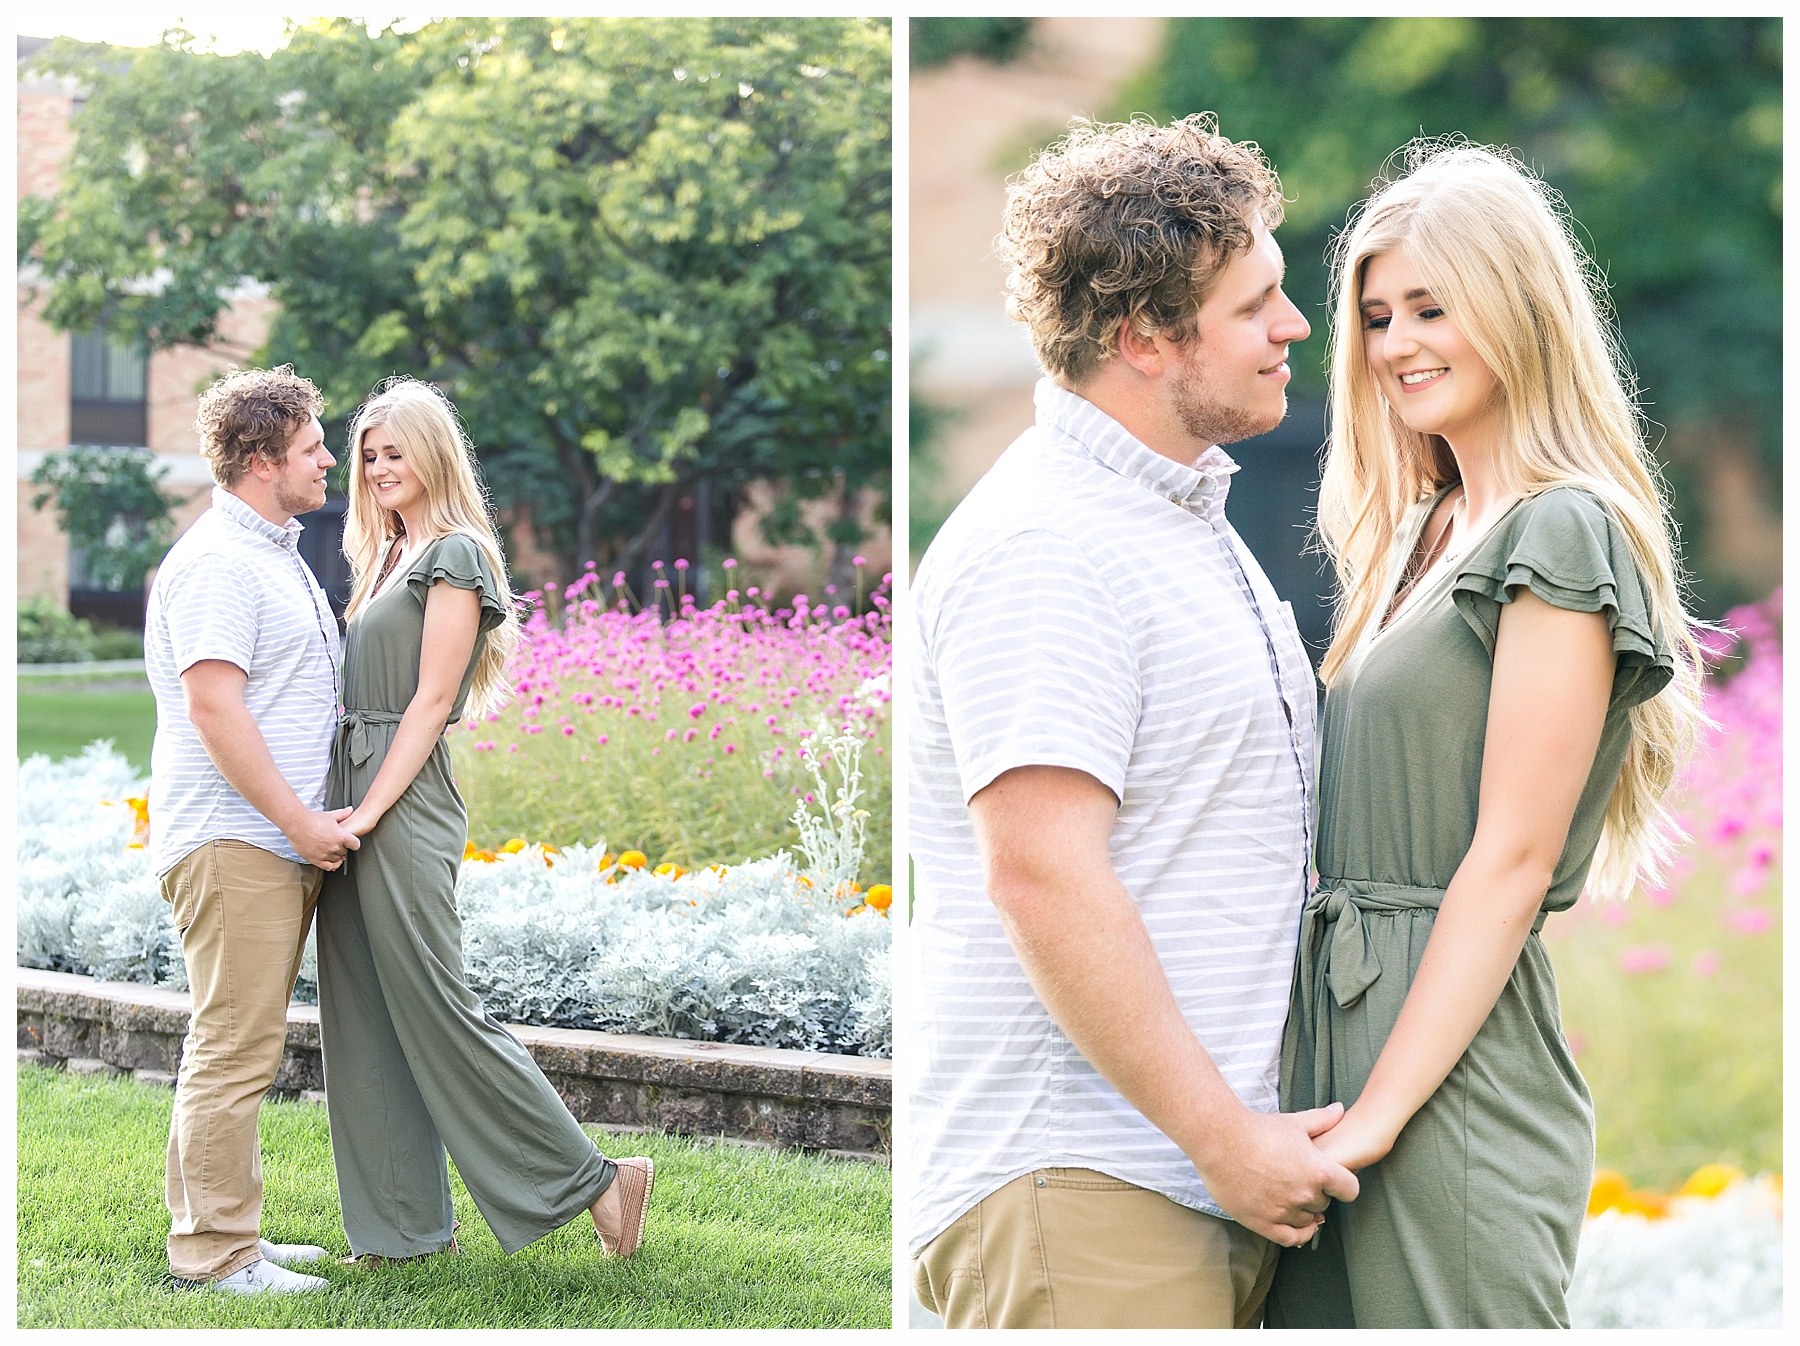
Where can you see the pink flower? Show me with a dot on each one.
(681, 565)
(1706, 962)
(568, 731)
(696, 710)
(729, 563)
(1750, 920)
(601, 739)
(534, 728)
(1641, 958)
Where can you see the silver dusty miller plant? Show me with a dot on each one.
(832, 841)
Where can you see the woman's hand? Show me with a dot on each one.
(361, 822)
(1357, 1141)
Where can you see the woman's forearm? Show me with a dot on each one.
(1474, 946)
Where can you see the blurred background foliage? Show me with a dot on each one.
(638, 253)
(935, 41)
(1664, 137)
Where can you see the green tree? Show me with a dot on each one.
(1663, 136)
(638, 253)
(110, 503)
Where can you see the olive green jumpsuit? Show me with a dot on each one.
(1472, 1220)
(413, 1064)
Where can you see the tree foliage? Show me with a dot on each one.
(109, 502)
(636, 252)
(1663, 136)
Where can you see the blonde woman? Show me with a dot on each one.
(1511, 686)
(413, 1065)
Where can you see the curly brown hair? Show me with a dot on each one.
(250, 414)
(1127, 221)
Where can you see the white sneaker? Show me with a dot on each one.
(265, 1278)
(289, 1253)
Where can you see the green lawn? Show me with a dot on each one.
(738, 1236)
(1684, 1061)
(63, 721)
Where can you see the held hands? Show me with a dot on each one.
(1357, 1141)
(322, 838)
(1272, 1179)
(360, 822)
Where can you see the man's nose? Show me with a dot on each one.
(1292, 325)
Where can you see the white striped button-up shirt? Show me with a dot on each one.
(1088, 606)
(233, 587)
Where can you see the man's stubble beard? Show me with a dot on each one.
(294, 503)
(1210, 419)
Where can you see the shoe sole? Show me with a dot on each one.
(644, 1210)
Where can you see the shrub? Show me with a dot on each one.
(762, 952)
(49, 635)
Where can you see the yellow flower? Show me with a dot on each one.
(670, 869)
(1710, 1180)
(881, 897)
(1608, 1191)
(514, 846)
(1650, 1205)
(633, 860)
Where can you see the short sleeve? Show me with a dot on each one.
(1565, 546)
(211, 614)
(456, 559)
(1034, 665)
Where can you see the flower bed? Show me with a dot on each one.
(1672, 1001)
(770, 952)
(1708, 1256)
(676, 728)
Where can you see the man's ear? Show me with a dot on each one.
(261, 468)
(1143, 353)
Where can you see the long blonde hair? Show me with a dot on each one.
(1495, 247)
(430, 437)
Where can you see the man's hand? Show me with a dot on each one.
(1268, 1175)
(322, 838)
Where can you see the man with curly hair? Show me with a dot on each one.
(241, 648)
(1111, 752)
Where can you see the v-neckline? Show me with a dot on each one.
(395, 577)
(1422, 591)
(1398, 605)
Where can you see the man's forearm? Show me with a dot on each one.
(1084, 947)
(232, 739)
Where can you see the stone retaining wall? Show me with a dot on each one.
(810, 1099)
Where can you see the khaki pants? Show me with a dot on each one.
(243, 915)
(1069, 1247)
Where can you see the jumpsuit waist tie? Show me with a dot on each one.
(1337, 958)
(354, 744)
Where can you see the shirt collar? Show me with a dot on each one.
(284, 535)
(1199, 489)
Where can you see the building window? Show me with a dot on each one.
(107, 386)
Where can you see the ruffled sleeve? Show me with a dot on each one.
(456, 559)
(1565, 546)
